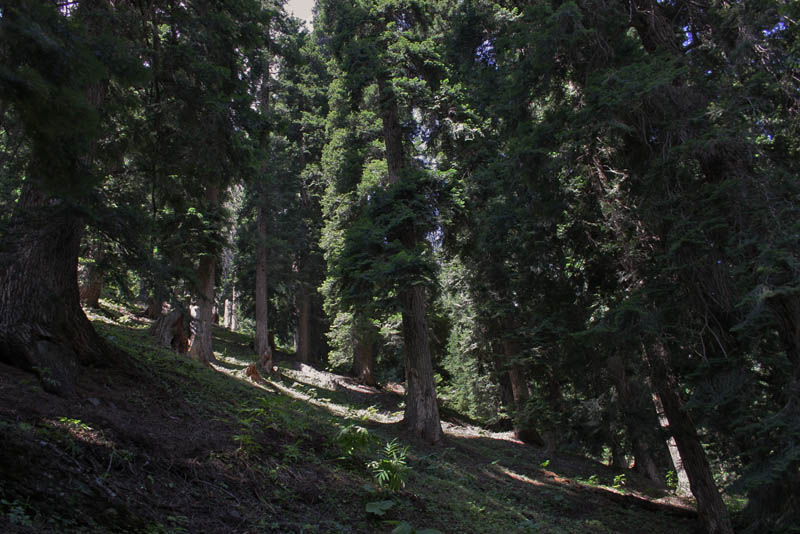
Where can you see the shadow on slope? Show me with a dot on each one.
(166, 445)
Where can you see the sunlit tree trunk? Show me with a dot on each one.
(92, 281)
(303, 331)
(234, 309)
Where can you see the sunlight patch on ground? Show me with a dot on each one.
(339, 410)
(520, 477)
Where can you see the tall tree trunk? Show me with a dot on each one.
(422, 411)
(634, 403)
(710, 506)
(234, 309)
(226, 317)
(262, 344)
(303, 332)
(364, 361)
(201, 344)
(364, 351)
(524, 428)
(201, 348)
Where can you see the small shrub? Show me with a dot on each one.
(354, 440)
(16, 514)
(390, 470)
(672, 480)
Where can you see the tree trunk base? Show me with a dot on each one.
(55, 357)
(170, 331)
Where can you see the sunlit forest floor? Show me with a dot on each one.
(166, 445)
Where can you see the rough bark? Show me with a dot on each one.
(201, 346)
(710, 506)
(42, 326)
(422, 411)
(262, 344)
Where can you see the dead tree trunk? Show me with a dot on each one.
(171, 332)
(683, 487)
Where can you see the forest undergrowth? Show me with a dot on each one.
(166, 445)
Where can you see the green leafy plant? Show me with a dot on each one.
(247, 443)
(16, 514)
(378, 508)
(354, 440)
(672, 480)
(391, 470)
(619, 481)
(291, 451)
(75, 423)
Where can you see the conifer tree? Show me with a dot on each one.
(387, 56)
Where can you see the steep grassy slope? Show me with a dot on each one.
(167, 446)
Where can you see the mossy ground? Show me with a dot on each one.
(165, 445)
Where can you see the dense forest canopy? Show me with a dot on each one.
(576, 219)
